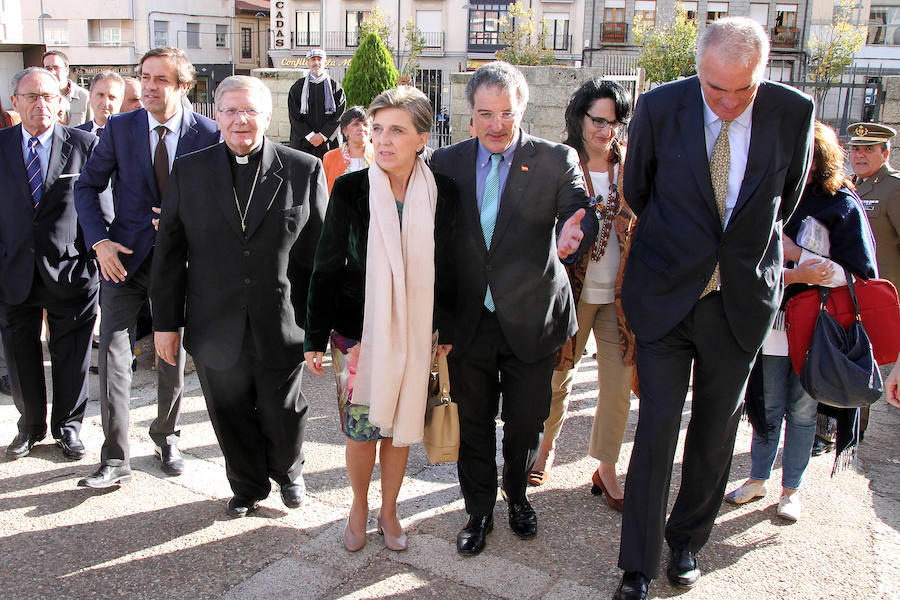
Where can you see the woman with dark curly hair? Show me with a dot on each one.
(596, 118)
(830, 203)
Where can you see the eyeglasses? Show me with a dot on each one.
(506, 116)
(602, 123)
(234, 112)
(31, 98)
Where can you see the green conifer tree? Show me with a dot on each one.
(371, 72)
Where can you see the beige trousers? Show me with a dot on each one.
(614, 382)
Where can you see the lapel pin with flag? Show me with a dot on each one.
(524, 168)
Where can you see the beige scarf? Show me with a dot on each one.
(395, 350)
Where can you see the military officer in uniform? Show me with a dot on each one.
(879, 187)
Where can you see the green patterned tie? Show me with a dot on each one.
(719, 165)
(490, 203)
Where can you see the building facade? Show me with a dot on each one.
(459, 36)
(251, 27)
(114, 34)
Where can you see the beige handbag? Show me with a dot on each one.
(441, 438)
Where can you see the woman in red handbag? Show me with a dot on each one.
(832, 233)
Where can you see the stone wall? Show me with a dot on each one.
(890, 115)
(549, 89)
(279, 81)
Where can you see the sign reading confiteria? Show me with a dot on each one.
(299, 62)
(281, 34)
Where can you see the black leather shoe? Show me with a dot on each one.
(107, 476)
(4, 385)
(683, 571)
(71, 445)
(473, 537)
(634, 586)
(240, 506)
(22, 444)
(294, 493)
(522, 519)
(172, 462)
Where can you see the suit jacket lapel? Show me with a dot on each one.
(186, 142)
(140, 133)
(223, 191)
(16, 165)
(759, 156)
(59, 155)
(266, 188)
(516, 184)
(467, 167)
(690, 120)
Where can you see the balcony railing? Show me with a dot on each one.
(785, 37)
(434, 40)
(614, 33)
(108, 43)
(349, 40)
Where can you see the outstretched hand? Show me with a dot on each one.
(571, 235)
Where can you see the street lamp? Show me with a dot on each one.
(259, 16)
(41, 19)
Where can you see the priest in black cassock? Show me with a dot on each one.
(315, 105)
(237, 235)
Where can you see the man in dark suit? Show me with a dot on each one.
(522, 208)
(139, 147)
(250, 232)
(315, 105)
(107, 92)
(716, 164)
(44, 265)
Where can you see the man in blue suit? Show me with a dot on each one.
(44, 265)
(716, 164)
(140, 147)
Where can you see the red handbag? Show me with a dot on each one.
(879, 311)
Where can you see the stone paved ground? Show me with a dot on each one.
(160, 537)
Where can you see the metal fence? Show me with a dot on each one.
(857, 96)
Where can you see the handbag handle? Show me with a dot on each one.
(825, 292)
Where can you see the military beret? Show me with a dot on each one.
(866, 134)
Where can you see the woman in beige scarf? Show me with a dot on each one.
(375, 292)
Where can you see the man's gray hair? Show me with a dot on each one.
(107, 74)
(31, 71)
(244, 82)
(498, 74)
(737, 40)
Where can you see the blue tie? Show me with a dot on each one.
(33, 169)
(490, 203)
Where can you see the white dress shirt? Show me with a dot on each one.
(738, 140)
(42, 149)
(175, 125)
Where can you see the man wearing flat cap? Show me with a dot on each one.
(315, 105)
(878, 185)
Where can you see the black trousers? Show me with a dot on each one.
(721, 368)
(486, 370)
(71, 321)
(259, 416)
(121, 307)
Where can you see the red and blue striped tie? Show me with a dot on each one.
(33, 168)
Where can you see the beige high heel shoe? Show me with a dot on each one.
(397, 544)
(353, 541)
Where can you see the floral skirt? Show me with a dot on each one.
(354, 417)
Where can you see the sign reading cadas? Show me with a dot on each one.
(281, 34)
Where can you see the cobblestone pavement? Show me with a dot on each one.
(162, 537)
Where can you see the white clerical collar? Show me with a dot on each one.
(173, 124)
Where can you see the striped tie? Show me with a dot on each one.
(490, 203)
(719, 165)
(33, 169)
